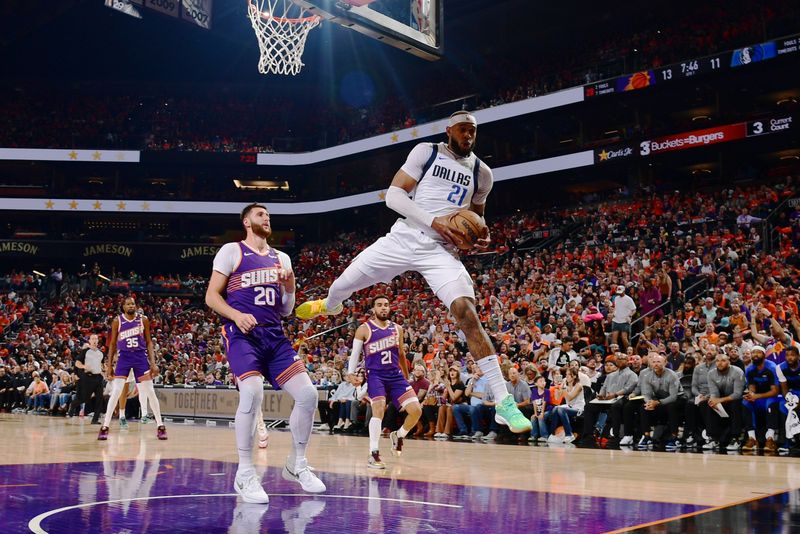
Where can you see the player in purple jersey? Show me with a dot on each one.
(252, 286)
(130, 337)
(387, 376)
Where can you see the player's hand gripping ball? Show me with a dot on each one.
(471, 225)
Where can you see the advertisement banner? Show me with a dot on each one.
(221, 402)
(709, 136)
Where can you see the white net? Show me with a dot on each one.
(281, 27)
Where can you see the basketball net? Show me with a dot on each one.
(281, 28)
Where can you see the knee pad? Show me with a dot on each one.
(251, 393)
(307, 397)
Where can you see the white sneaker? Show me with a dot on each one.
(734, 445)
(569, 439)
(440, 435)
(307, 480)
(552, 438)
(710, 445)
(491, 436)
(626, 440)
(249, 488)
(477, 435)
(263, 435)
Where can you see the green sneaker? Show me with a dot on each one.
(508, 414)
(315, 308)
(123, 423)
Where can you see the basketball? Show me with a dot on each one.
(472, 224)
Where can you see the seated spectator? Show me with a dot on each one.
(574, 406)
(725, 386)
(661, 390)
(761, 399)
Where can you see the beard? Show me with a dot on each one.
(383, 316)
(456, 147)
(260, 231)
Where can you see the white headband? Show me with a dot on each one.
(463, 117)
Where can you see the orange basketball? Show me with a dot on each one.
(471, 224)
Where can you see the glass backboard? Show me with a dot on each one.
(414, 26)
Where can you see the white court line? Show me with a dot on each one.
(35, 524)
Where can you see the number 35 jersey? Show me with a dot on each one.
(445, 182)
(253, 284)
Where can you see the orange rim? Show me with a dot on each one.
(268, 17)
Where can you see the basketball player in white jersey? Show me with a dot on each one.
(442, 178)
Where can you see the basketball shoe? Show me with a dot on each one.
(397, 444)
(508, 414)
(249, 488)
(315, 308)
(375, 461)
(307, 480)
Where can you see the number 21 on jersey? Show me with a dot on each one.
(265, 296)
(457, 195)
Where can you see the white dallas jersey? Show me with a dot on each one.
(445, 182)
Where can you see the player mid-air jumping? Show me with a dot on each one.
(442, 178)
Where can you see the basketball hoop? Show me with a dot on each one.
(281, 27)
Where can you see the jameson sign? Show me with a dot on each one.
(207, 251)
(108, 250)
(18, 248)
(201, 253)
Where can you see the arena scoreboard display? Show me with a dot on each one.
(694, 67)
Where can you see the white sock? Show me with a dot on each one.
(770, 434)
(143, 402)
(494, 377)
(751, 434)
(149, 391)
(374, 434)
(301, 421)
(116, 391)
(350, 281)
(251, 393)
(402, 432)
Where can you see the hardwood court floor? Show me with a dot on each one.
(615, 489)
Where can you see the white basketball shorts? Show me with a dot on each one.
(407, 249)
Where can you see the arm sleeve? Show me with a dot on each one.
(646, 388)
(695, 383)
(416, 160)
(779, 374)
(484, 185)
(287, 299)
(630, 384)
(674, 389)
(713, 390)
(738, 386)
(227, 258)
(355, 354)
(397, 199)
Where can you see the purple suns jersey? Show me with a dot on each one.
(130, 337)
(254, 288)
(382, 349)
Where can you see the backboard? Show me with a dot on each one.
(414, 26)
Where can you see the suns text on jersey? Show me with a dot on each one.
(382, 344)
(135, 331)
(260, 277)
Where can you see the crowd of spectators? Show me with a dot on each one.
(661, 285)
(228, 119)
